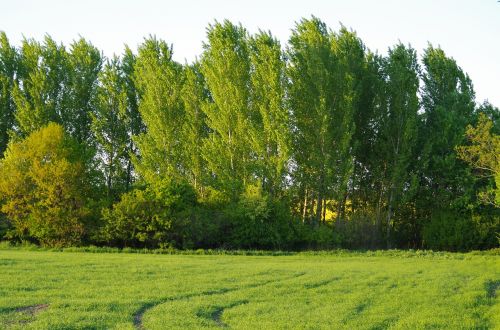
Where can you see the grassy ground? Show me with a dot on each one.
(53, 290)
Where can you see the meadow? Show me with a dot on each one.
(369, 290)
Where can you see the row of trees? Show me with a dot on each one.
(321, 144)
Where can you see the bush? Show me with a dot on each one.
(257, 221)
(452, 231)
(155, 217)
(309, 237)
(43, 183)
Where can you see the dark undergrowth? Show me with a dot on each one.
(410, 253)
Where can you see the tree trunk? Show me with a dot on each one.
(324, 211)
(389, 216)
(319, 205)
(304, 210)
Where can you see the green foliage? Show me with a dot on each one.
(452, 231)
(159, 82)
(271, 140)
(257, 221)
(43, 184)
(8, 68)
(226, 69)
(317, 143)
(156, 216)
(40, 95)
(483, 155)
(109, 127)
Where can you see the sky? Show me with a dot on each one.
(467, 30)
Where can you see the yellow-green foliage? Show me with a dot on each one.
(484, 155)
(40, 184)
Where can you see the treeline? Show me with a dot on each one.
(314, 144)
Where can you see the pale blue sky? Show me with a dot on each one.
(468, 30)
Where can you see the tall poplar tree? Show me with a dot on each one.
(132, 116)
(159, 80)
(398, 133)
(8, 76)
(348, 72)
(84, 63)
(109, 127)
(448, 102)
(40, 97)
(323, 79)
(272, 140)
(194, 129)
(310, 97)
(226, 68)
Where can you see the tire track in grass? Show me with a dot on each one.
(315, 285)
(215, 313)
(139, 314)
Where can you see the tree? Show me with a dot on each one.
(398, 132)
(84, 63)
(159, 80)
(194, 129)
(44, 186)
(322, 99)
(8, 77)
(311, 101)
(448, 103)
(132, 116)
(271, 142)
(226, 68)
(483, 154)
(40, 96)
(109, 128)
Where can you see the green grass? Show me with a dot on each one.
(371, 290)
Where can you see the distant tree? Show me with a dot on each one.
(44, 187)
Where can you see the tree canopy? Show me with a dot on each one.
(315, 142)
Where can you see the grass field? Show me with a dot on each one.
(54, 290)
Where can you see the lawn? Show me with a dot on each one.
(77, 290)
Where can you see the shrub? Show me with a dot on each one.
(155, 217)
(43, 184)
(448, 230)
(258, 221)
